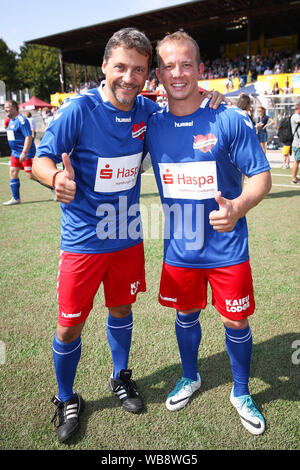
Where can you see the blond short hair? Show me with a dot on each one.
(177, 36)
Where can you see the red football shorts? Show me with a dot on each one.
(80, 275)
(26, 165)
(186, 289)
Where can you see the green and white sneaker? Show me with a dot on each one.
(251, 418)
(182, 392)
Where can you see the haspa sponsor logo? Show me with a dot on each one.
(117, 173)
(185, 179)
(107, 172)
(189, 180)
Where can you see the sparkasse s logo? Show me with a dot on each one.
(106, 173)
(168, 177)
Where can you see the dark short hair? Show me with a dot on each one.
(131, 38)
(13, 103)
(243, 101)
(178, 36)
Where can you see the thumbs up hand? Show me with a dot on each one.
(225, 218)
(65, 186)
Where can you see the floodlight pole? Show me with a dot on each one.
(62, 70)
(248, 40)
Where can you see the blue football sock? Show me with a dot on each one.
(188, 333)
(15, 188)
(119, 332)
(239, 348)
(66, 357)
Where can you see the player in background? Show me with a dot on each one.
(22, 149)
(199, 155)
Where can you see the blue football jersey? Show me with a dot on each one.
(193, 157)
(18, 129)
(105, 146)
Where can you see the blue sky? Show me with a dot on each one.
(23, 20)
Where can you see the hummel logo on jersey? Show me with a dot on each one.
(204, 143)
(123, 119)
(138, 130)
(184, 124)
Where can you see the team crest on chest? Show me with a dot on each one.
(138, 130)
(204, 143)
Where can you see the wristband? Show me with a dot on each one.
(23, 151)
(54, 177)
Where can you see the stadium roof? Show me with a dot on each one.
(211, 22)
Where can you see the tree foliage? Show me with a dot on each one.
(38, 69)
(8, 61)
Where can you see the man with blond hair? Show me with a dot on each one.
(199, 155)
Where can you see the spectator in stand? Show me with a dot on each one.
(276, 89)
(268, 70)
(288, 89)
(153, 84)
(262, 123)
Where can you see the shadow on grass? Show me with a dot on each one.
(272, 362)
(37, 201)
(276, 195)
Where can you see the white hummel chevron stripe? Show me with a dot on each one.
(244, 339)
(129, 326)
(187, 325)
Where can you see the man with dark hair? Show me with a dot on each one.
(20, 140)
(99, 136)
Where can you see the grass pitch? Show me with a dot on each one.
(30, 236)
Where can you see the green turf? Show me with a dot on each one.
(29, 255)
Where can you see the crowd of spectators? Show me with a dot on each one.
(271, 63)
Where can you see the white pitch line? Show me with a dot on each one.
(288, 185)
